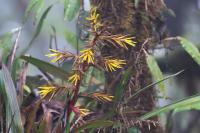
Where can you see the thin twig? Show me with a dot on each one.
(142, 47)
(14, 48)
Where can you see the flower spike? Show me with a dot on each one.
(46, 89)
(58, 55)
(113, 64)
(74, 78)
(87, 55)
(102, 97)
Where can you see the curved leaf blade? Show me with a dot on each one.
(38, 29)
(31, 5)
(190, 48)
(155, 72)
(12, 104)
(181, 105)
(55, 71)
(37, 6)
(71, 9)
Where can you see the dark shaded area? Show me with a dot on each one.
(177, 59)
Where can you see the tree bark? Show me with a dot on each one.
(142, 21)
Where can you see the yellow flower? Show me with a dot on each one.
(113, 64)
(123, 40)
(87, 55)
(83, 112)
(93, 18)
(74, 78)
(103, 97)
(93, 15)
(58, 55)
(46, 89)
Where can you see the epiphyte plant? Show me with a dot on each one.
(89, 56)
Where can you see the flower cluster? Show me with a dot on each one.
(113, 64)
(87, 55)
(74, 78)
(90, 56)
(93, 19)
(46, 90)
(59, 56)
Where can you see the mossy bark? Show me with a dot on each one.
(143, 21)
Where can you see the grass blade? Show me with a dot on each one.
(156, 73)
(185, 104)
(12, 103)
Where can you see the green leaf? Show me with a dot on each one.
(37, 5)
(181, 105)
(5, 40)
(195, 106)
(191, 49)
(55, 71)
(71, 8)
(38, 29)
(11, 98)
(156, 73)
(16, 66)
(6, 45)
(31, 5)
(71, 39)
(94, 124)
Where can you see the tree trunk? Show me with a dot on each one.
(142, 20)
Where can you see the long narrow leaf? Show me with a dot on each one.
(191, 49)
(38, 29)
(156, 72)
(5, 45)
(71, 8)
(12, 103)
(31, 5)
(56, 71)
(181, 105)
